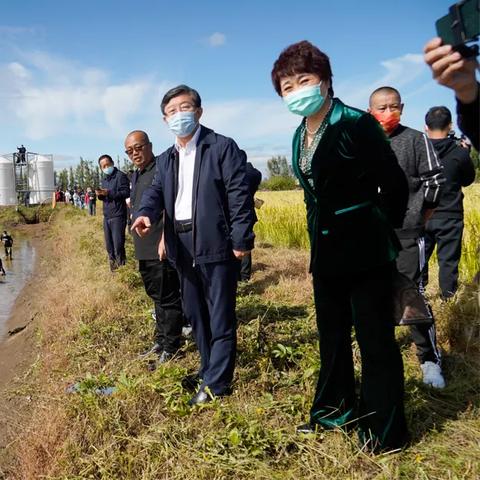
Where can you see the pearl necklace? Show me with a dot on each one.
(310, 132)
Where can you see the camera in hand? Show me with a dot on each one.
(461, 27)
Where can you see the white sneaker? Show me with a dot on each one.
(187, 332)
(432, 375)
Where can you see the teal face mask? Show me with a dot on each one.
(108, 170)
(305, 101)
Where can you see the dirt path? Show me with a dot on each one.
(18, 351)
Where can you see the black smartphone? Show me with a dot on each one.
(461, 26)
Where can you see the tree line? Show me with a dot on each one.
(86, 174)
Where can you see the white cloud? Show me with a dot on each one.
(120, 101)
(18, 70)
(398, 72)
(250, 119)
(48, 95)
(217, 39)
(9, 31)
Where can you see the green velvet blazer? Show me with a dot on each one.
(359, 195)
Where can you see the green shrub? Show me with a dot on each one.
(279, 182)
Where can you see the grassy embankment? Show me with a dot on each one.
(93, 325)
(12, 216)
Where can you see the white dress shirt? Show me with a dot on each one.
(186, 165)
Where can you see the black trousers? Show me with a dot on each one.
(162, 286)
(363, 300)
(92, 208)
(114, 230)
(245, 267)
(410, 262)
(209, 298)
(446, 233)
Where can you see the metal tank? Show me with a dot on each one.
(8, 195)
(40, 178)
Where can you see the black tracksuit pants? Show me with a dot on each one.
(446, 233)
(114, 230)
(162, 286)
(209, 299)
(410, 262)
(365, 301)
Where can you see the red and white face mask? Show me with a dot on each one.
(388, 120)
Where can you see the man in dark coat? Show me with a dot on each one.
(445, 226)
(114, 192)
(159, 277)
(201, 185)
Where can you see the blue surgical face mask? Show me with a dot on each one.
(182, 124)
(108, 170)
(305, 101)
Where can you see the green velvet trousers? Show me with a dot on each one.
(362, 300)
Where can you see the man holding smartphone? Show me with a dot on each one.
(115, 190)
(452, 70)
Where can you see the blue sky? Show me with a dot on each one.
(76, 77)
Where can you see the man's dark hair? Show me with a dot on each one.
(180, 90)
(438, 118)
(385, 89)
(108, 157)
(301, 57)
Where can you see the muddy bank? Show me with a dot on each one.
(18, 349)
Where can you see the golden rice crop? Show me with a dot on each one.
(282, 223)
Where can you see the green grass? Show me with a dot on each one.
(95, 324)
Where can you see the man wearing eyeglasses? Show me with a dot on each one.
(201, 184)
(159, 277)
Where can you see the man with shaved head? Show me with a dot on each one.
(159, 278)
(417, 157)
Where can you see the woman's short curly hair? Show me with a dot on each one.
(301, 57)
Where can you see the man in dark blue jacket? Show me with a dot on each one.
(114, 192)
(201, 184)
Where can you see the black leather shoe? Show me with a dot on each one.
(155, 349)
(307, 428)
(191, 382)
(200, 398)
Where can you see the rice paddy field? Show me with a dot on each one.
(92, 330)
(282, 222)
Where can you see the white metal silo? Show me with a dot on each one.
(41, 178)
(7, 182)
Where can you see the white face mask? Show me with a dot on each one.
(182, 124)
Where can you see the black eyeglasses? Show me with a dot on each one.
(135, 148)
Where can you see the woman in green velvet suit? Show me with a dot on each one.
(355, 194)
